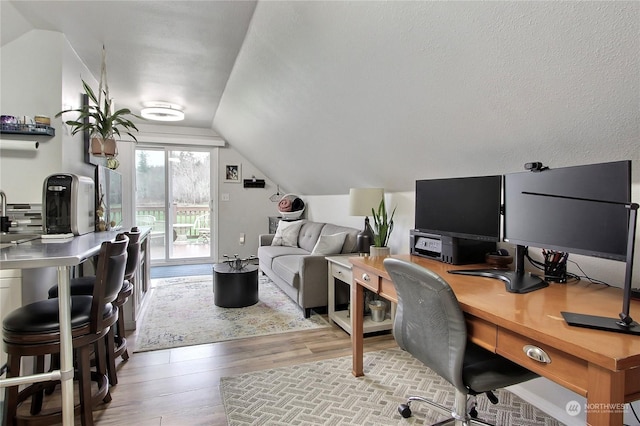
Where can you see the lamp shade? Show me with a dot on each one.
(362, 200)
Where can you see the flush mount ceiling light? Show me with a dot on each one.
(162, 111)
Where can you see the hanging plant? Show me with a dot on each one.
(98, 118)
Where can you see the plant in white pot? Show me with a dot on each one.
(382, 227)
(99, 119)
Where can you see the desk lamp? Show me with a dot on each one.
(361, 202)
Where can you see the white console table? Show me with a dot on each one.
(340, 269)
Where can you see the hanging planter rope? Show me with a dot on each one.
(103, 145)
(99, 120)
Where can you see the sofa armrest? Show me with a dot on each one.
(265, 239)
(313, 281)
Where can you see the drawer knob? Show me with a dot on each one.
(536, 354)
(366, 277)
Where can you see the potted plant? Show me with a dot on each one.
(101, 122)
(383, 225)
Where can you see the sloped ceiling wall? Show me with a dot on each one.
(330, 95)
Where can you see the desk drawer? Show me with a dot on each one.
(564, 369)
(388, 290)
(482, 333)
(341, 272)
(367, 279)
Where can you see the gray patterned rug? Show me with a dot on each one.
(325, 393)
(181, 312)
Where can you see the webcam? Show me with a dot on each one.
(535, 166)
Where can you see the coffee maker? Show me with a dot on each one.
(68, 203)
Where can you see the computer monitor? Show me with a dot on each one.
(578, 209)
(465, 207)
(570, 209)
(585, 210)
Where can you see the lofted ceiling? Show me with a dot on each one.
(327, 95)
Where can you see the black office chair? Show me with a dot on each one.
(430, 325)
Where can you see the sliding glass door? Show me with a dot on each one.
(174, 196)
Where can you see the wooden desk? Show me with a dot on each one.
(602, 366)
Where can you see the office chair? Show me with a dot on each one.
(430, 325)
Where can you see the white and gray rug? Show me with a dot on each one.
(326, 393)
(181, 312)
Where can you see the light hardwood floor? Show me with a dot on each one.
(180, 386)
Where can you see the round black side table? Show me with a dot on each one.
(235, 288)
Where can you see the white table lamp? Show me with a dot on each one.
(361, 201)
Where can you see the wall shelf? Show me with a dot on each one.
(27, 129)
(254, 183)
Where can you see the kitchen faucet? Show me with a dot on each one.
(4, 219)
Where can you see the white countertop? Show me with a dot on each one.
(39, 254)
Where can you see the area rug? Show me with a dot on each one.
(181, 312)
(325, 393)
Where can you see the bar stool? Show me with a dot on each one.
(84, 285)
(34, 330)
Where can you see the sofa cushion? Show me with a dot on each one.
(266, 254)
(309, 234)
(287, 234)
(288, 268)
(350, 240)
(329, 244)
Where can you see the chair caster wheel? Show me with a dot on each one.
(473, 413)
(404, 410)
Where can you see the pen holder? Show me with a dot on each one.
(556, 270)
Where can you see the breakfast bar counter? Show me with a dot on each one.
(62, 254)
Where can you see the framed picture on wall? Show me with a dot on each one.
(232, 173)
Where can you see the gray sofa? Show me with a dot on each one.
(301, 275)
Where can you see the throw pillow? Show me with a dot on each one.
(329, 244)
(287, 234)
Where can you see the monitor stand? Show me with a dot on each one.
(517, 281)
(601, 323)
(625, 324)
(514, 282)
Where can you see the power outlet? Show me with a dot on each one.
(224, 196)
(242, 238)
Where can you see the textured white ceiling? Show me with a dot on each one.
(326, 95)
(180, 52)
(329, 95)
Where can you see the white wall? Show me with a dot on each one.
(335, 209)
(40, 84)
(30, 86)
(247, 210)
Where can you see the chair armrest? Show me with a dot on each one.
(265, 239)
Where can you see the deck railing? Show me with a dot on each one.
(184, 215)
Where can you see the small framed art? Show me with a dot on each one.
(232, 173)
